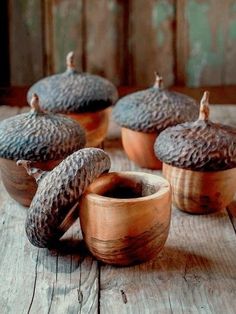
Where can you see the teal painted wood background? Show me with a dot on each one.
(190, 42)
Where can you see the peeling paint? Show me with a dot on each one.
(200, 41)
(162, 11)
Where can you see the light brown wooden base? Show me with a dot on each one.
(20, 186)
(128, 230)
(200, 192)
(95, 125)
(139, 147)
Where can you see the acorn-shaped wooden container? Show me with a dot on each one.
(125, 216)
(41, 137)
(81, 96)
(144, 114)
(199, 160)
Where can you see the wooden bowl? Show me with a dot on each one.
(200, 192)
(125, 217)
(95, 125)
(18, 183)
(139, 147)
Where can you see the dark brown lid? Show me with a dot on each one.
(200, 145)
(154, 109)
(73, 92)
(55, 204)
(37, 135)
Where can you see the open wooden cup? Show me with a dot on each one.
(125, 216)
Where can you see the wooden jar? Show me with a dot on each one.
(144, 114)
(125, 217)
(139, 147)
(45, 139)
(199, 161)
(81, 96)
(19, 185)
(199, 192)
(95, 125)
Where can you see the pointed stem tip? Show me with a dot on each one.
(204, 107)
(159, 81)
(70, 60)
(34, 103)
(36, 173)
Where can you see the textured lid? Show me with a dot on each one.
(154, 109)
(36, 135)
(200, 145)
(54, 206)
(74, 92)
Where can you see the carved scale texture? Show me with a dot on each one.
(154, 109)
(200, 145)
(59, 191)
(74, 92)
(39, 136)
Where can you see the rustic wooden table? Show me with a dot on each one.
(195, 273)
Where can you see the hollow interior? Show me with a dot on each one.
(126, 187)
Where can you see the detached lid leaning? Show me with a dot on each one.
(74, 92)
(154, 109)
(200, 145)
(39, 136)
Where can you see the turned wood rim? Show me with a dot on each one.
(155, 180)
(209, 173)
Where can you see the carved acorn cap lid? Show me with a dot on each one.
(55, 205)
(154, 109)
(201, 145)
(74, 92)
(39, 136)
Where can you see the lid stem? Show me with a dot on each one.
(159, 81)
(34, 103)
(204, 107)
(36, 173)
(70, 60)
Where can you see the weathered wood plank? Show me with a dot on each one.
(6, 112)
(195, 273)
(151, 41)
(230, 44)
(4, 40)
(205, 42)
(26, 41)
(232, 213)
(105, 39)
(67, 32)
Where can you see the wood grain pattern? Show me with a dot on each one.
(26, 41)
(151, 42)
(199, 192)
(195, 272)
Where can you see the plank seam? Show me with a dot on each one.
(231, 218)
(35, 281)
